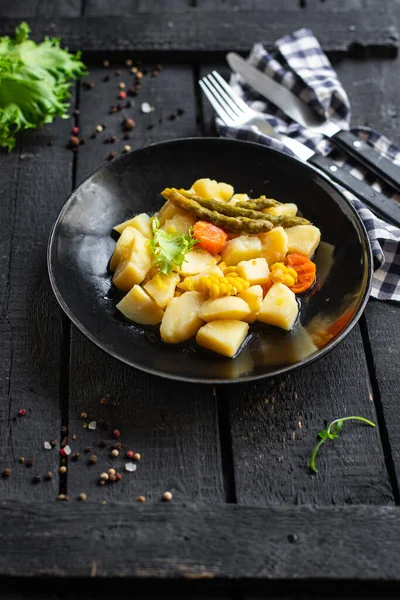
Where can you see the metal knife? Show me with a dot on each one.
(297, 110)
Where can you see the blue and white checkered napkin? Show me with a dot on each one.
(300, 64)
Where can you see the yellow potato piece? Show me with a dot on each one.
(122, 246)
(224, 337)
(225, 191)
(140, 222)
(303, 239)
(255, 271)
(137, 306)
(288, 209)
(237, 198)
(227, 307)
(169, 211)
(134, 265)
(197, 260)
(181, 319)
(179, 223)
(243, 247)
(162, 288)
(274, 245)
(206, 188)
(279, 307)
(253, 296)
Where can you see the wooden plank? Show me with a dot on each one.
(274, 426)
(205, 543)
(36, 180)
(173, 426)
(215, 32)
(47, 9)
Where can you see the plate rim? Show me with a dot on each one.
(246, 379)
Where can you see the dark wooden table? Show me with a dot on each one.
(247, 515)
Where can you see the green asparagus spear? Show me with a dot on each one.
(237, 211)
(239, 224)
(258, 203)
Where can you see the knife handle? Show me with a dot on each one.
(372, 160)
(381, 205)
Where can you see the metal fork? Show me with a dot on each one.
(235, 113)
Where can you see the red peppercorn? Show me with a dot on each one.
(122, 95)
(21, 412)
(130, 454)
(118, 476)
(116, 433)
(75, 130)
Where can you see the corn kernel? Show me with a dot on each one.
(280, 273)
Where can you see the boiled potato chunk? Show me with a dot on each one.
(237, 198)
(179, 223)
(254, 271)
(279, 307)
(225, 191)
(274, 245)
(227, 307)
(140, 222)
(288, 209)
(122, 246)
(197, 260)
(137, 306)
(253, 297)
(303, 239)
(224, 336)
(206, 188)
(134, 264)
(181, 319)
(162, 288)
(169, 211)
(243, 247)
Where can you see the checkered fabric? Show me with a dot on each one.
(300, 64)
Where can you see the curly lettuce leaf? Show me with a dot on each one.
(34, 82)
(169, 249)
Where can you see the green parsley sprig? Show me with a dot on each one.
(170, 249)
(331, 433)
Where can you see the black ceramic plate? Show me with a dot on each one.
(81, 244)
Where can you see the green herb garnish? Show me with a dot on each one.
(170, 249)
(34, 82)
(331, 433)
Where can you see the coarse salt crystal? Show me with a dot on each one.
(130, 467)
(146, 108)
(67, 450)
(92, 425)
(47, 445)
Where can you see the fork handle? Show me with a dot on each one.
(381, 205)
(365, 154)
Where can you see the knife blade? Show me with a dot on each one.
(297, 110)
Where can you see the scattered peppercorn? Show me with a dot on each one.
(114, 453)
(118, 72)
(172, 117)
(129, 124)
(89, 85)
(141, 499)
(37, 478)
(99, 128)
(106, 63)
(122, 95)
(50, 143)
(113, 477)
(104, 476)
(7, 472)
(21, 460)
(93, 459)
(155, 73)
(82, 497)
(136, 456)
(75, 456)
(101, 482)
(104, 125)
(21, 412)
(29, 463)
(116, 446)
(62, 497)
(106, 78)
(167, 496)
(113, 109)
(130, 454)
(53, 443)
(118, 476)
(74, 436)
(139, 75)
(82, 141)
(111, 155)
(62, 469)
(75, 130)
(134, 70)
(117, 433)
(131, 92)
(121, 105)
(121, 85)
(126, 148)
(87, 450)
(49, 475)
(129, 62)
(84, 415)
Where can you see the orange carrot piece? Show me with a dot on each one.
(267, 286)
(209, 236)
(305, 270)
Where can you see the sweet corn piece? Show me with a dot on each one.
(280, 273)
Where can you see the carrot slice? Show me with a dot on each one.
(305, 269)
(210, 237)
(267, 286)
